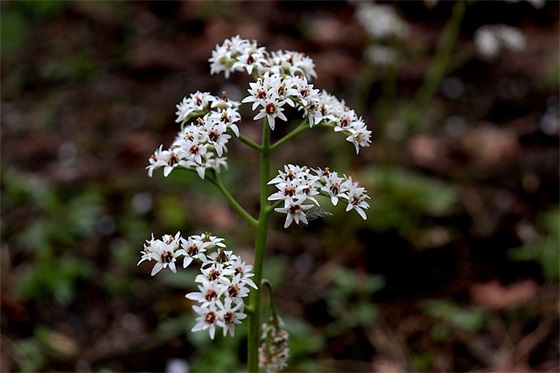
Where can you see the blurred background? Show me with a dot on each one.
(456, 268)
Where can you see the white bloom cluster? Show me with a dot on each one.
(200, 144)
(237, 54)
(297, 187)
(223, 281)
(380, 21)
(273, 351)
(283, 79)
(490, 39)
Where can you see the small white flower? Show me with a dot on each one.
(356, 198)
(243, 270)
(194, 249)
(164, 252)
(207, 319)
(225, 56)
(360, 136)
(231, 314)
(196, 104)
(292, 63)
(272, 109)
(333, 185)
(294, 210)
(209, 292)
(168, 159)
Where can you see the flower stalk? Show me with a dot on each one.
(260, 250)
(207, 124)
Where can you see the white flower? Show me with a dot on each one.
(222, 284)
(196, 104)
(333, 185)
(230, 314)
(360, 136)
(225, 56)
(168, 159)
(269, 93)
(194, 249)
(292, 63)
(294, 210)
(210, 291)
(207, 319)
(243, 270)
(252, 58)
(165, 252)
(356, 198)
(272, 109)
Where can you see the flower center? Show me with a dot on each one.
(228, 317)
(289, 191)
(233, 290)
(213, 275)
(192, 250)
(173, 159)
(270, 109)
(167, 257)
(210, 318)
(295, 209)
(211, 294)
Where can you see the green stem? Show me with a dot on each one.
(271, 306)
(250, 143)
(217, 181)
(304, 125)
(260, 249)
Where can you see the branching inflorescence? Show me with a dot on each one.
(208, 122)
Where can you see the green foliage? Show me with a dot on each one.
(403, 199)
(546, 250)
(14, 32)
(18, 18)
(304, 343)
(78, 66)
(348, 299)
(31, 356)
(53, 277)
(53, 223)
(453, 316)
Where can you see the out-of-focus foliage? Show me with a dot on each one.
(452, 315)
(546, 249)
(349, 300)
(58, 222)
(407, 202)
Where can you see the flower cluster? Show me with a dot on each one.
(490, 40)
(223, 283)
(297, 187)
(201, 143)
(273, 351)
(237, 54)
(282, 78)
